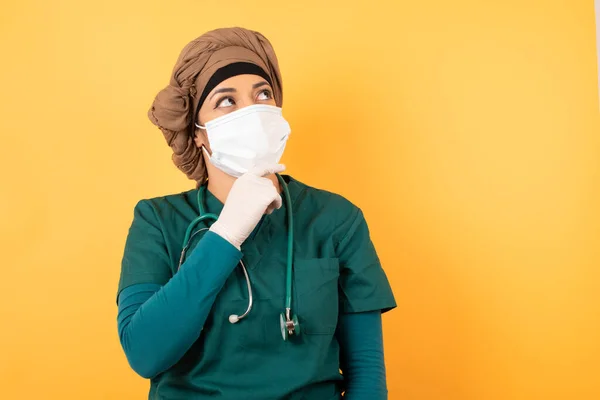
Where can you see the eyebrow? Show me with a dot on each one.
(232, 90)
(259, 84)
(222, 90)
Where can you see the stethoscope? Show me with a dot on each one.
(288, 322)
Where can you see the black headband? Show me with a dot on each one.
(226, 72)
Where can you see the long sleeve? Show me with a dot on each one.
(158, 324)
(362, 362)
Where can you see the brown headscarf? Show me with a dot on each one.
(173, 108)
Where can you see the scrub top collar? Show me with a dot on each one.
(268, 226)
(214, 205)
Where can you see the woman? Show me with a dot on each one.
(279, 286)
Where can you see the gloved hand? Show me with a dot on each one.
(251, 196)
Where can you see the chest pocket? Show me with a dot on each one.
(316, 295)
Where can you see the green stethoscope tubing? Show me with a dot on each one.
(288, 321)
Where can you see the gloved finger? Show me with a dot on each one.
(277, 202)
(264, 170)
(273, 206)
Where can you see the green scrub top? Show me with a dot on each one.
(336, 270)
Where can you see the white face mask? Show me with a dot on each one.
(243, 139)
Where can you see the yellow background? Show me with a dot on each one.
(467, 131)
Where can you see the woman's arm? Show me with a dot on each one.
(161, 317)
(157, 325)
(361, 350)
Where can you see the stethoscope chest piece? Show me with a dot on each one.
(288, 321)
(289, 325)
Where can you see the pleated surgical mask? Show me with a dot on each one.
(248, 137)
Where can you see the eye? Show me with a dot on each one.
(225, 102)
(264, 95)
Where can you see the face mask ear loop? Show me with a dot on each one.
(203, 147)
(206, 151)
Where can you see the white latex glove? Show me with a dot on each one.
(251, 196)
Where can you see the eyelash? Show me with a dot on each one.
(218, 103)
(269, 94)
(222, 99)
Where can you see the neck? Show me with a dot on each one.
(220, 183)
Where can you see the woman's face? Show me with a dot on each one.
(230, 95)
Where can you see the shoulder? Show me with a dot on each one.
(336, 208)
(165, 206)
